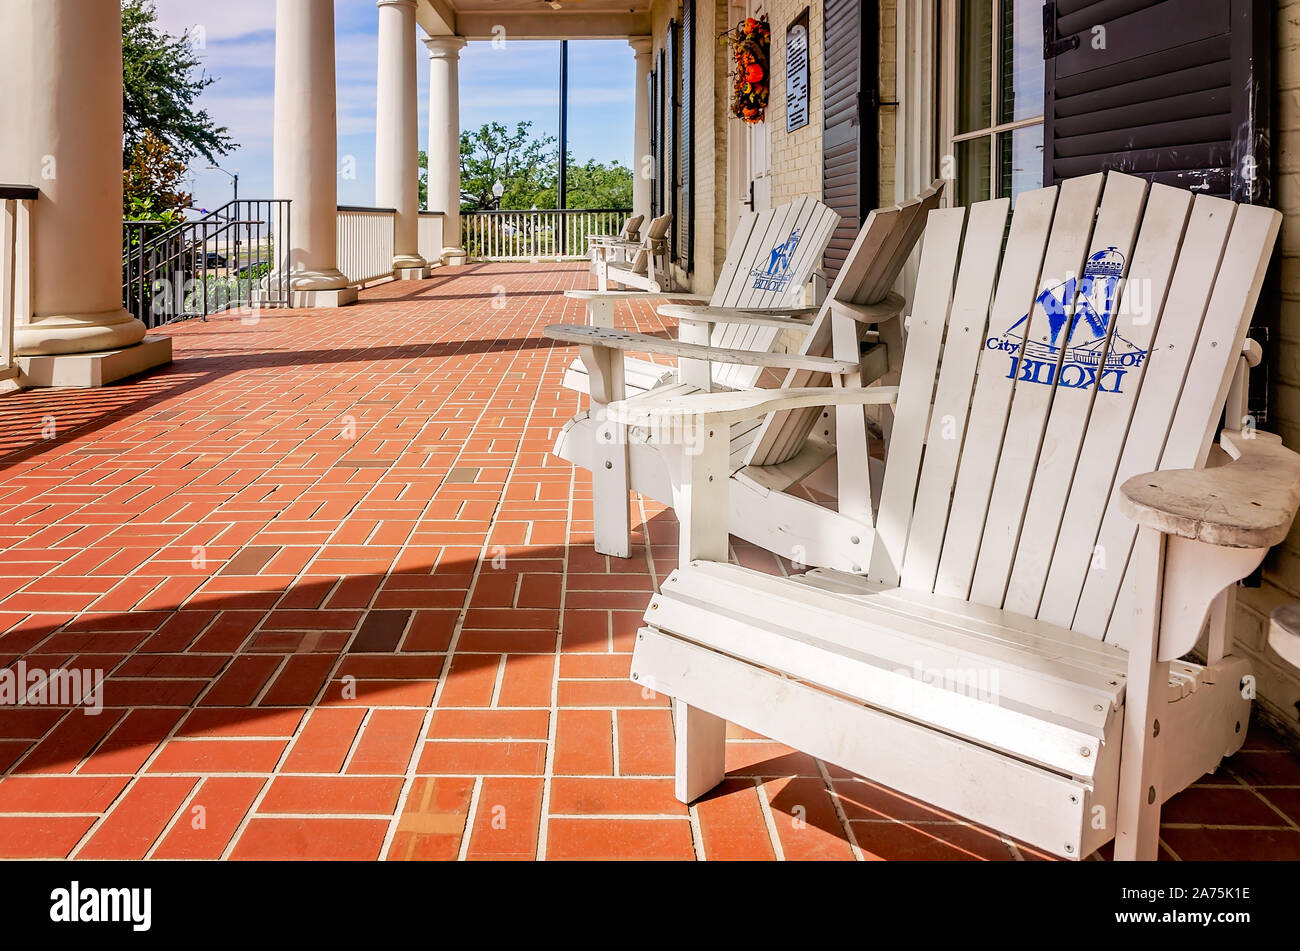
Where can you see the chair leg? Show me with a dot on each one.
(1137, 823)
(700, 750)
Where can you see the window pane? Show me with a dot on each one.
(973, 170)
(975, 66)
(1021, 60)
(1020, 161)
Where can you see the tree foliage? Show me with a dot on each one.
(528, 170)
(162, 79)
(524, 166)
(153, 182)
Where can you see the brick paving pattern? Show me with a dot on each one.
(347, 606)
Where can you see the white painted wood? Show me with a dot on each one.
(700, 750)
(1088, 333)
(962, 702)
(838, 664)
(1193, 402)
(1196, 575)
(1248, 503)
(1141, 309)
(963, 345)
(1031, 804)
(1016, 287)
(1031, 398)
(644, 343)
(1137, 827)
(925, 337)
(1284, 633)
(864, 281)
(669, 412)
(1036, 670)
(610, 478)
(702, 506)
(785, 320)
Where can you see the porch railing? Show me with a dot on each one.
(15, 267)
(431, 242)
(538, 233)
(365, 243)
(220, 262)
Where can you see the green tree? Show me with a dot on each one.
(422, 162)
(592, 185)
(162, 79)
(153, 182)
(524, 165)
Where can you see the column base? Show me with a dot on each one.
(411, 273)
(335, 297)
(452, 256)
(86, 370)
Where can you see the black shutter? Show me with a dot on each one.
(684, 223)
(657, 192)
(672, 84)
(653, 101)
(1175, 91)
(849, 135)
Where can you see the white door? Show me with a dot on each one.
(750, 159)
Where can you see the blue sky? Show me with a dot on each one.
(508, 85)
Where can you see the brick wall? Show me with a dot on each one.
(1278, 682)
(888, 93)
(796, 156)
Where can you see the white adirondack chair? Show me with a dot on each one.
(805, 223)
(635, 267)
(615, 245)
(1048, 544)
(768, 456)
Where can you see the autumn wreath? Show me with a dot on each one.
(751, 43)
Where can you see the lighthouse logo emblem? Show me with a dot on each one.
(774, 273)
(1074, 316)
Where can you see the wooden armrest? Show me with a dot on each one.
(644, 343)
(785, 317)
(1248, 503)
(633, 295)
(723, 409)
(887, 309)
(727, 315)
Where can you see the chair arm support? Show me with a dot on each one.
(676, 414)
(887, 309)
(1248, 503)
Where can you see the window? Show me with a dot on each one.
(997, 97)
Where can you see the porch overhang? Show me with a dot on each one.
(535, 19)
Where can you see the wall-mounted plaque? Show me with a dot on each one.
(796, 73)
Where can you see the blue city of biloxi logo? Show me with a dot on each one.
(776, 275)
(1078, 314)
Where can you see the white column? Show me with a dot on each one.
(444, 140)
(306, 151)
(641, 118)
(61, 89)
(397, 130)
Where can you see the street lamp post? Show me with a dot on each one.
(234, 177)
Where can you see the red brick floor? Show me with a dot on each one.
(347, 607)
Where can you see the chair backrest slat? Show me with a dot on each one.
(1058, 377)
(1205, 387)
(993, 401)
(1090, 400)
(1108, 351)
(981, 252)
(869, 272)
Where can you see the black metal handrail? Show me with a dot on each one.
(225, 260)
(19, 193)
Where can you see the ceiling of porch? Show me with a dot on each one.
(535, 19)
